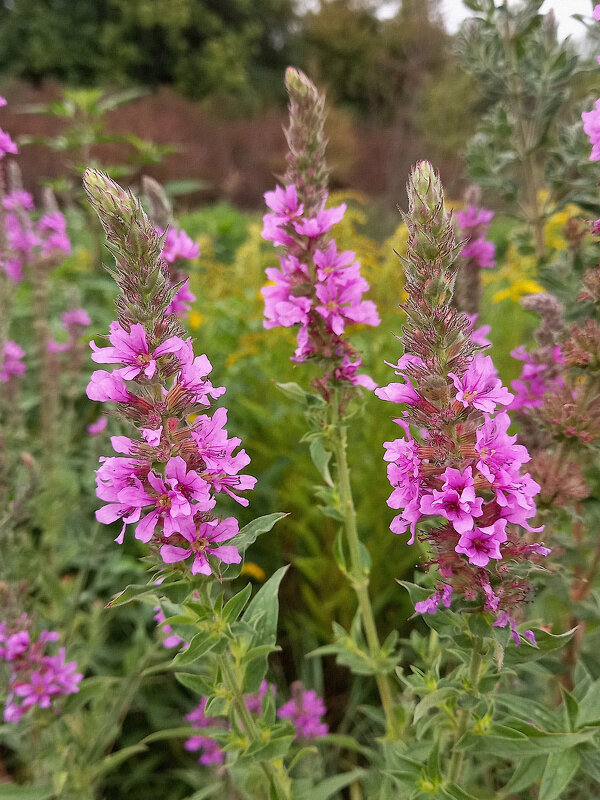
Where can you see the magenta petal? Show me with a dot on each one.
(227, 553)
(171, 345)
(145, 529)
(201, 565)
(170, 554)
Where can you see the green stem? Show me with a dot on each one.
(277, 778)
(464, 714)
(359, 577)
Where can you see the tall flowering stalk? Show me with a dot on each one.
(320, 291)
(460, 487)
(466, 471)
(166, 477)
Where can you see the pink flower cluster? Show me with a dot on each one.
(35, 677)
(591, 126)
(472, 480)
(27, 238)
(166, 480)
(7, 146)
(473, 225)
(11, 363)
(537, 379)
(304, 711)
(316, 288)
(178, 247)
(74, 323)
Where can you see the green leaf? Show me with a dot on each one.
(14, 791)
(133, 592)
(262, 615)
(297, 393)
(454, 792)
(338, 550)
(331, 786)
(260, 650)
(321, 459)
(115, 759)
(546, 643)
(507, 742)
(276, 747)
(589, 706)
(527, 709)
(560, 769)
(169, 733)
(195, 683)
(201, 644)
(433, 700)
(300, 755)
(417, 593)
(250, 533)
(528, 771)
(235, 606)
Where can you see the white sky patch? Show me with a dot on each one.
(455, 12)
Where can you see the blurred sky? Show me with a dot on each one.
(454, 13)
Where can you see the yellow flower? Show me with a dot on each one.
(252, 570)
(195, 319)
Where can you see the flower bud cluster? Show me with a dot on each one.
(166, 477)
(304, 711)
(35, 676)
(467, 469)
(317, 288)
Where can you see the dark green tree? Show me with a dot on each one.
(234, 48)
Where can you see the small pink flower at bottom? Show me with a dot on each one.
(201, 539)
(481, 544)
(212, 753)
(429, 606)
(305, 710)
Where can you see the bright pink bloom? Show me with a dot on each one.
(480, 386)
(591, 126)
(97, 427)
(481, 544)
(7, 145)
(305, 710)
(132, 350)
(596, 12)
(202, 538)
(108, 386)
(456, 502)
(11, 363)
(481, 251)
(429, 606)
(75, 317)
(52, 230)
(212, 753)
(178, 245)
(181, 303)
